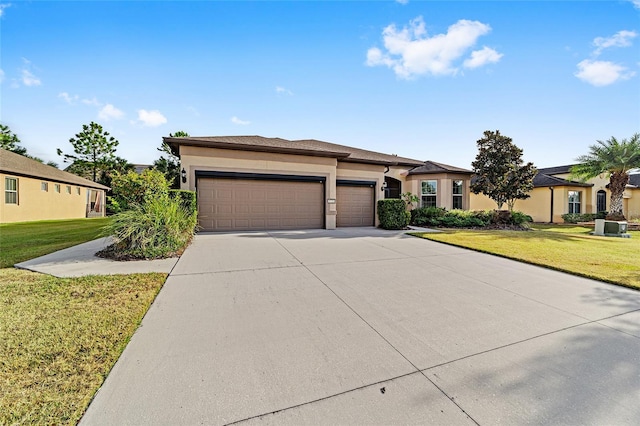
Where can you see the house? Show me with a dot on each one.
(554, 193)
(35, 191)
(260, 183)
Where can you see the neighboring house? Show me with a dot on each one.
(139, 168)
(259, 183)
(555, 194)
(35, 191)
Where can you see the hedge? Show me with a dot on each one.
(393, 214)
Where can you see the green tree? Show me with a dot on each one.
(169, 164)
(10, 141)
(500, 172)
(614, 159)
(94, 151)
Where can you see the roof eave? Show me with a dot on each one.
(175, 142)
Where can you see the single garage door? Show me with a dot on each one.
(226, 204)
(355, 205)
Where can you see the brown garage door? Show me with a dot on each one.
(355, 205)
(249, 204)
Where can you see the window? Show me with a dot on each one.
(601, 201)
(44, 186)
(574, 201)
(10, 190)
(78, 190)
(457, 194)
(57, 187)
(68, 189)
(429, 192)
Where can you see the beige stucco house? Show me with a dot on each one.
(259, 183)
(35, 191)
(555, 193)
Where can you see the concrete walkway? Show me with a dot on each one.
(364, 326)
(81, 260)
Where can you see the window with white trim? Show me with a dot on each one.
(78, 190)
(10, 190)
(44, 186)
(574, 201)
(58, 188)
(68, 189)
(457, 194)
(429, 193)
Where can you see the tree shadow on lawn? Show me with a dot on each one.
(543, 235)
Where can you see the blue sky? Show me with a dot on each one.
(421, 79)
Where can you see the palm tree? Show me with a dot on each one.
(613, 159)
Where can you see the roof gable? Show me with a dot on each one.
(16, 164)
(431, 167)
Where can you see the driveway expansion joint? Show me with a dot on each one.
(384, 338)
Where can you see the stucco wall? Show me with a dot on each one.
(194, 159)
(632, 204)
(36, 204)
(444, 197)
(538, 206)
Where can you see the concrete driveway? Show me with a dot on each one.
(363, 326)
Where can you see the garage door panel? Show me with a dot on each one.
(355, 205)
(244, 204)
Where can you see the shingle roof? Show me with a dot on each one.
(542, 179)
(20, 165)
(430, 167)
(556, 170)
(301, 147)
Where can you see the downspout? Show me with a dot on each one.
(551, 213)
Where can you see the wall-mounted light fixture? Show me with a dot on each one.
(183, 175)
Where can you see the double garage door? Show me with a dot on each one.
(256, 204)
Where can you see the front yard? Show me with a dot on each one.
(28, 240)
(59, 338)
(562, 247)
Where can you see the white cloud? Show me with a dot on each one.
(236, 120)
(152, 118)
(67, 97)
(3, 7)
(407, 1)
(482, 57)
(620, 39)
(109, 112)
(602, 73)
(28, 79)
(92, 102)
(636, 3)
(282, 91)
(410, 51)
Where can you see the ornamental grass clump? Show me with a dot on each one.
(157, 228)
(155, 223)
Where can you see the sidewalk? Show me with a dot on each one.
(81, 260)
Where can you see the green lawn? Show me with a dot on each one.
(28, 240)
(59, 338)
(566, 248)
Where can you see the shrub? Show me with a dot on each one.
(133, 188)
(579, 217)
(157, 228)
(187, 199)
(393, 214)
(519, 218)
(427, 216)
